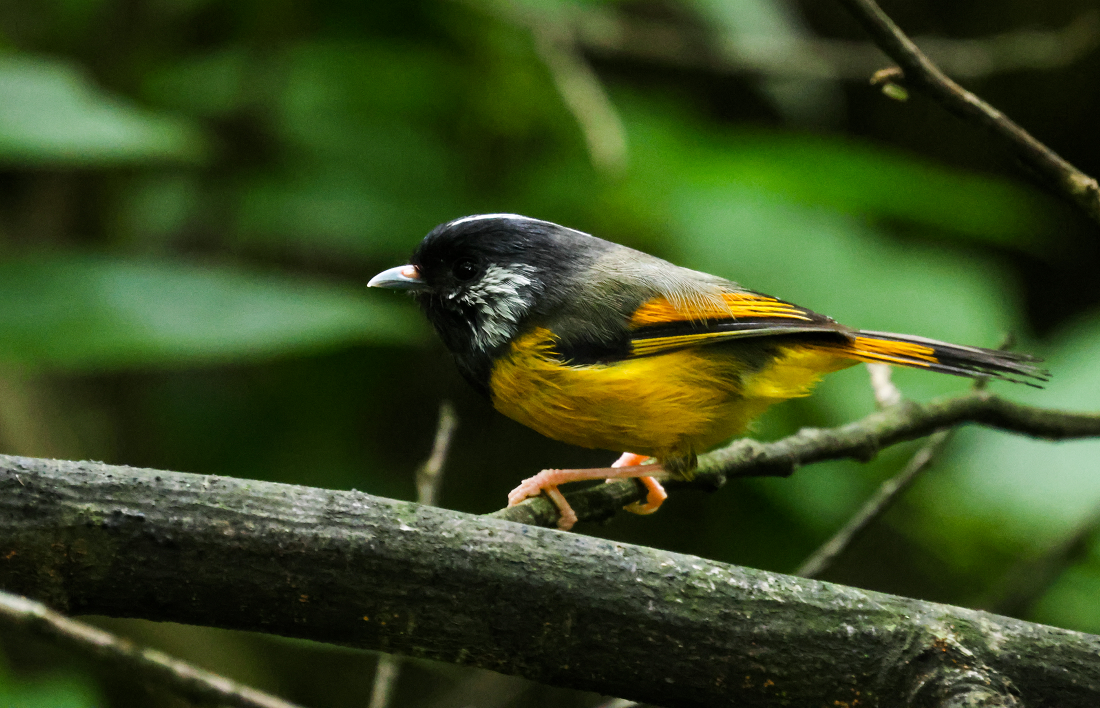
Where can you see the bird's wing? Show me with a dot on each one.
(660, 325)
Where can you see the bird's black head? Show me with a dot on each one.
(481, 279)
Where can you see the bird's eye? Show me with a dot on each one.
(465, 269)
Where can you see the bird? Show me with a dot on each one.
(603, 346)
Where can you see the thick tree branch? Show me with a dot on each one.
(429, 477)
(353, 569)
(860, 440)
(920, 72)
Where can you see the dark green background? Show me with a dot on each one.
(193, 194)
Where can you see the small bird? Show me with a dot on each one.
(602, 346)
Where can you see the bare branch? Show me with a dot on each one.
(882, 383)
(887, 394)
(859, 440)
(560, 608)
(612, 33)
(824, 557)
(189, 681)
(429, 475)
(906, 421)
(586, 98)
(920, 72)
(385, 679)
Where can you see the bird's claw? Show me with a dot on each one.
(546, 481)
(531, 487)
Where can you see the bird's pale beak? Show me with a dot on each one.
(405, 277)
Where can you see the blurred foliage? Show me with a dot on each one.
(95, 312)
(52, 690)
(53, 116)
(194, 192)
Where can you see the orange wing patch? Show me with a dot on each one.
(734, 305)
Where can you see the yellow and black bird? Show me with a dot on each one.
(602, 346)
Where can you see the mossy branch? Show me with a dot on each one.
(564, 609)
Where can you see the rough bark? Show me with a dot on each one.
(564, 609)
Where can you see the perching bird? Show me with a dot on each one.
(602, 346)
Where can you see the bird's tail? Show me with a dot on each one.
(922, 353)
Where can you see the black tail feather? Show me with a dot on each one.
(957, 359)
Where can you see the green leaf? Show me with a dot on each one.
(349, 212)
(834, 173)
(364, 166)
(51, 114)
(95, 312)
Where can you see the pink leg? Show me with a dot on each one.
(548, 480)
(629, 459)
(656, 494)
(566, 516)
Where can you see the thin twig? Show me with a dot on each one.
(824, 557)
(580, 88)
(890, 490)
(429, 476)
(920, 72)
(882, 384)
(859, 440)
(188, 681)
(385, 679)
(607, 32)
(908, 420)
(584, 95)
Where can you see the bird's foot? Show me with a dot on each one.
(655, 497)
(549, 480)
(655, 494)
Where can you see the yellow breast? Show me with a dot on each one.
(667, 406)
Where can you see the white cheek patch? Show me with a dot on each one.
(502, 296)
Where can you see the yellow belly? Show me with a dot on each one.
(667, 406)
